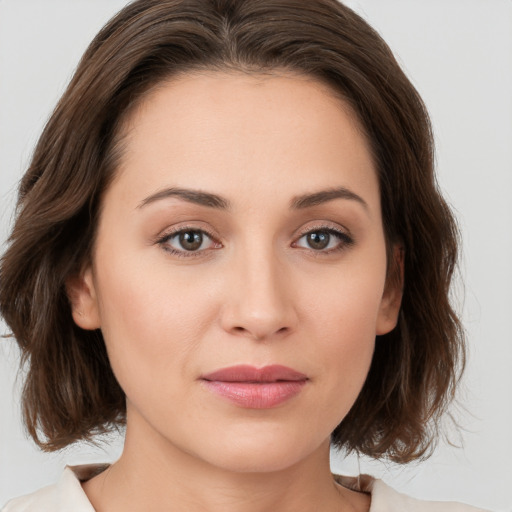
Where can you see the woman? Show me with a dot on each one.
(232, 222)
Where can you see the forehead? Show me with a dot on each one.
(208, 129)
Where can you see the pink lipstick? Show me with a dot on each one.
(255, 388)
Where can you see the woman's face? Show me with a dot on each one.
(243, 228)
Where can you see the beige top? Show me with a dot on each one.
(68, 496)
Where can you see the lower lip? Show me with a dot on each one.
(256, 395)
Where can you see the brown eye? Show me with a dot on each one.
(190, 240)
(318, 240)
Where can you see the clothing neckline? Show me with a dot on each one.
(361, 483)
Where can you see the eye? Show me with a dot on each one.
(324, 240)
(189, 241)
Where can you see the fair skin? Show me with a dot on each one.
(262, 274)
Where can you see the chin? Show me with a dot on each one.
(256, 462)
(260, 453)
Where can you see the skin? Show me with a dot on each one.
(255, 292)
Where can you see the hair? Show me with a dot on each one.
(70, 392)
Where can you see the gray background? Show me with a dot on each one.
(458, 53)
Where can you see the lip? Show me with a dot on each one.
(255, 388)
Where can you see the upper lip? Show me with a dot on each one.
(247, 373)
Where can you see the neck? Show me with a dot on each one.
(153, 474)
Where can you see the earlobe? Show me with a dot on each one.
(83, 300)
(392, 297)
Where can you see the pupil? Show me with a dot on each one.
(318, 240)
(191, 240)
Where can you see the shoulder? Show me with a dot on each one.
(43, 500)
(64, 496)
(386, 499)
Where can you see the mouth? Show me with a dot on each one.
(255, 388)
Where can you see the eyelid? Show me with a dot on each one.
(324, 226)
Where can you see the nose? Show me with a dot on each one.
(260, 302)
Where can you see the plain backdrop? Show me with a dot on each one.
(458, 53)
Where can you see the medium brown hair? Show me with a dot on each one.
(70, 392)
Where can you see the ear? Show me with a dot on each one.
(393, 291)
(84, 303)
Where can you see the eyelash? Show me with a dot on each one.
(345, 241)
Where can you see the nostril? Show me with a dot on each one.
(259, 335)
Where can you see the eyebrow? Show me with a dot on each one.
(215, 201)
(323, 196)
(191, 196)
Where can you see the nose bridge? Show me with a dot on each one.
(262, 302)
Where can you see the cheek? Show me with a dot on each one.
(343, 311)
(345, 340)
(346, 300)
(151, 320)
